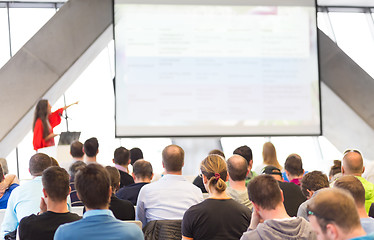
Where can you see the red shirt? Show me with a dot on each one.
(54, 120)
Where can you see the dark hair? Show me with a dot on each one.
(93, 185)
(76, 149)
(334, 206)
(135, 154)
(173, 158)
(121, 156)
(353, 186)
(264, 191)
(336, 168)
(214, 168)
(237, 167)
(314, 181)
(38, 163)
(54, 162)
(294, 165)
(75, 167)
(1, 173)
(269, 155)
(115, 178)
(4, 164)
(91, 146)
(41, 112)
(143, 169)
(218, 152)
(245, 152)
(56, 183)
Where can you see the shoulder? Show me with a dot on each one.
(28, 221)
(250, 234)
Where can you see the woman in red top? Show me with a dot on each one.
(44, 122)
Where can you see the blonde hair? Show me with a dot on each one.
(214, 168)
(270, 155)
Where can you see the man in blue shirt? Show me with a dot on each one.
(25, 199)
(94, 189)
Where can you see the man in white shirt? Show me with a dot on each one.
(172, 195)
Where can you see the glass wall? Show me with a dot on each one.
(94, 115)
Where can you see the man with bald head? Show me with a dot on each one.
(237, 168)
(353, 164)
(172, 195)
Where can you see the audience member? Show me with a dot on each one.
(122, 161)
(77, 154)
(135, 154)
(353, 164)
(246, 152)
(311, 183)
(91, 149)
(53, 207)
(335, 171)
(54, 162)
(269, 218)
(9, 183)
(198, 181)
(333, 215)
(172, 195)
(292, 194)
(94, 189)
(219, 216)
(355, 188)
(122, 209)
(294, 168)
(73, 169)
(269, 156)
(238, 168)
(24, 200)
(142, 174)
(4, 165)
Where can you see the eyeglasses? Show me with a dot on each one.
(310, 212)
(352, 150)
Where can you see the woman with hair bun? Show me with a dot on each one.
(219, 216)
(44, 122)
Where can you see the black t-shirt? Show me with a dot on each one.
(44, 226)
(293, 197)
(126, 179)
(130, 192)
(122, 209)
(198, 182)
(219, 219)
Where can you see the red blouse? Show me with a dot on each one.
(54, 120)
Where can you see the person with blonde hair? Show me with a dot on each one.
(219, 216)
(269, 154)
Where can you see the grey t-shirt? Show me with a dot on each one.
(240, 196)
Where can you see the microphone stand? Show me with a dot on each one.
(66, 115)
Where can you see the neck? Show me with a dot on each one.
(362, 212)
(353, 174)
(357, 232)
(142, 180)
(90, 159)
(174, 173)
(237, 185)
(57, 207)
(292, 177)
(78, 158)
(100, 208)
(218, 195)
(278, 213)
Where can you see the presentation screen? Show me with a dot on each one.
(216, 68)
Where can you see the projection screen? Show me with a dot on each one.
(216, 68)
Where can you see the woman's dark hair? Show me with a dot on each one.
(336, 168)
(41, 112)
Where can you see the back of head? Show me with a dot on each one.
(1, 173)
(218, 152)
(143, 169)
(264, 191)
(353, 163)
(334, 206)
(294, 165)
(4, 164)
(121, 156)
(245, 152)
(354, 187)
(75, 167)
(213, 167)
(93, 186)
(173, 158)
(270, 155)
(56, 183)
(115, 178)
(76, 149)
(273, 171)
(38, 163)
(336, 168)
(135, 154)
(54, 162)
(91, 147)
(237, 167)
(314, 181)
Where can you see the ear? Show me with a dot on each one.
(250, 164)
(110, 193)
(133, 175)
(151, 176)
(113, 161)
(83, 150)
(343, 171)
(69, 190)
(282, 195)
(227, 176)
(331, 231)
(256, 207)
(78, 196)
(310, 192)
(363, 169)
(45, 193)
(205, 179)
